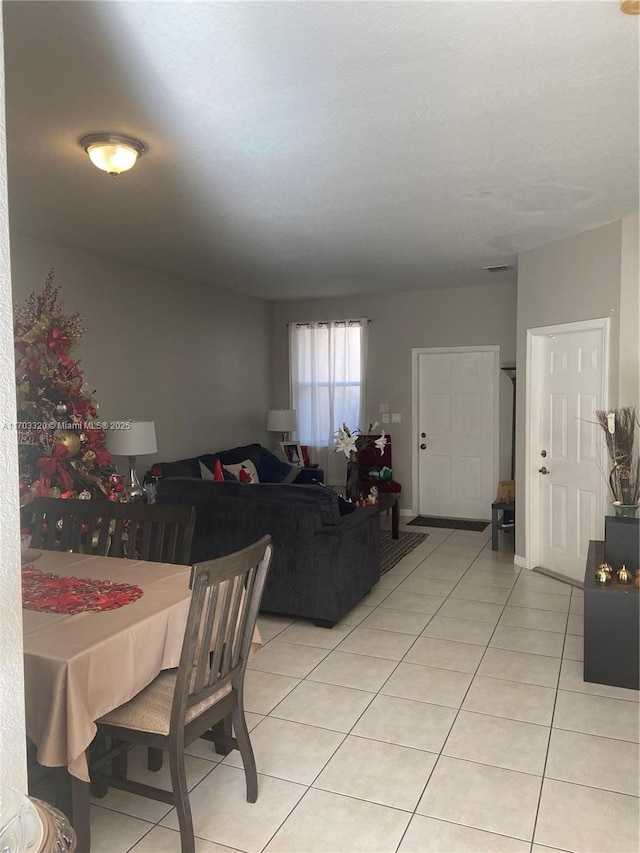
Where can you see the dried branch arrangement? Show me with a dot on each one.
(619, 427)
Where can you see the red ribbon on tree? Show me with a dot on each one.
(70, 373)
(59, 341)
(50, 467)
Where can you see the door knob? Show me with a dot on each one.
(423, 447)
(543, 470)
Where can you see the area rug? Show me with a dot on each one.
(393, 550)
(453, 523)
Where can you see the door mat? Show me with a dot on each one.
(393, 550)
(453, 523)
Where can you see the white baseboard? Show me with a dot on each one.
(521, 562)
(406, 512)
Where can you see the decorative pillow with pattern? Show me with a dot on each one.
(244, 471)
(217, 474)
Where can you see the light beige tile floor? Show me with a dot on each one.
(446, 713)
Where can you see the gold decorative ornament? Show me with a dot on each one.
(70, 439)
(624, 575)
(603, 574)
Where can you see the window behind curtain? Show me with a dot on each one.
(327, 369)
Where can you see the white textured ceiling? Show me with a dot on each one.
(303, 149)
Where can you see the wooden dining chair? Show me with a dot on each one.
(158, 532)
(71, 524)
(207, 687)
(161, 533)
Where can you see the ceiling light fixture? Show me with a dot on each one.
(630, 7)
(112, 152)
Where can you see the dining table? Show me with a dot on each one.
(79, 666)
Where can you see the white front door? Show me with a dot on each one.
(565, 465)
(457, 431)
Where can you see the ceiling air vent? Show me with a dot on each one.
(499, 268)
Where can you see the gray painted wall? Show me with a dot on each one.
(462, 316)
(195, 360)
(629, 379)
(573, 279)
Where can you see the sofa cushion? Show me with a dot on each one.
(195, 491)
(323, 500)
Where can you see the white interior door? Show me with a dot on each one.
(457, 431)
(564, 466)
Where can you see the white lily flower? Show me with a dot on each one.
(345, 443)
(381, 442)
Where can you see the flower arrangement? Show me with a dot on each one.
(352, 441)
(619, 427)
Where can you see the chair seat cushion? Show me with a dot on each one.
(150, 710)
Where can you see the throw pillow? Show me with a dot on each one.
(244, 471)
(205, 473)
(218, 474)
(271, 469)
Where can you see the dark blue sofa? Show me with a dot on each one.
(323, 562)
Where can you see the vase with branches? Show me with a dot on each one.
(351, 442)
(620, 433)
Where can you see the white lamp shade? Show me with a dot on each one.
(281, 420)
(139, 440)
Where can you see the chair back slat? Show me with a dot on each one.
(68, 524)
(221, 636)
(234, 625)
(156, 532)
(244, 616)
(210, 628)
(226, 595)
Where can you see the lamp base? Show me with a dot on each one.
(133, 491)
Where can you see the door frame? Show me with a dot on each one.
(533, 379)
(415, 427)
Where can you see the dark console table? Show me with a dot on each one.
(389, 500)
(496, 506)
(611, 630)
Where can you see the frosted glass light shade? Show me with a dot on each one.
(112, 153)
(281, 420)
(140, 440)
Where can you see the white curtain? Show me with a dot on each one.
(328, 362)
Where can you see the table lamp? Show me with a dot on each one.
(138, 440)
(282, 421)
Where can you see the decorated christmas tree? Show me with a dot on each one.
(61, 444)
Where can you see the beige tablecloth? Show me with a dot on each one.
(79, 667)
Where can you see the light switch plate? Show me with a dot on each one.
(396, 418)
(385, 418)
(383, 408)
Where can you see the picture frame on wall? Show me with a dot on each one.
(293, 452)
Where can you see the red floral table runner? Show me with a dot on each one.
(62, 594)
